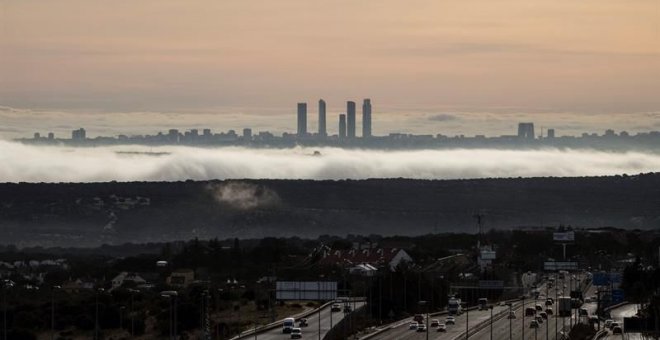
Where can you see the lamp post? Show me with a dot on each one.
(6, 284)
(52, 311)
(121, 318)
(171, 295)
(421, 304)
(96, 314)
(510, 322)
(491, 321)
(523, 315)
(133, 291)
(467, 320)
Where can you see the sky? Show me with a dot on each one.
(446, 66)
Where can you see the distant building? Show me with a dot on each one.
(302, 119)
(379, 257)
(551, 133)
(126, 277)
(350, 117)
(194, 133)
(51, 136)
(526, 131)
(366, 118)
(342, 126)
(206, 133)
(173, 136)
(322, 130)
(247, 133)
(78, 135)
(37, 135)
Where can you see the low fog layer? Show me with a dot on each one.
(25, 163)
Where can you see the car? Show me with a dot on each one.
(302, 322)
(442, 327)
(539, 319)
(617, 330)
(614, 324)
(335, 307)
(412, 326)
(450, 320)
(548, 302)
(296, 333)
(418, 318)
(435, 323)
(608, 323)
(529, 311)
(538, 307)
(549, 311)
(544, 315)
(421, 327)
(512, 315)
(534, 324)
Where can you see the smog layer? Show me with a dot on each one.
(27, 163)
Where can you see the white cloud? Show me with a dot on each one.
(65, 164)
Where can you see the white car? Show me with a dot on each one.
(412, 326)
(296, 333)
(442, 327)
(450, 320)
(421, 327)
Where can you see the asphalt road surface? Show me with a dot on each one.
(617, 315)
(312, 330)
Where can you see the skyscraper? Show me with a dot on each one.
(366, 118)
(526, 131)
(322, 130)
(350, 115)
(342, 126)
(302, 119)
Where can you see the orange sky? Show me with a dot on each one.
(575, 56)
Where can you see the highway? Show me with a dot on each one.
(503, 328)
(309, 332)
(617, 315)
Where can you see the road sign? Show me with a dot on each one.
(617, 296)
(556, 265)
(600, 279)
(306, 290)
(568, 236)
(491, 283)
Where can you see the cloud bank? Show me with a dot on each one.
(25, 163)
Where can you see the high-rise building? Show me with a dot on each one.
(302, 119)
(342, 126)
(350, 119)
(526, 131)
(51, 136)
(366, 118)
(247, 133)
(173, 136)
(79, 134)
(551, 133)
(37, 135)
(322, 130)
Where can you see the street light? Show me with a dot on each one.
(171, 295)
(524, 311)
(510, 322)
(6, 284)
(121, 318)
(423, 303)
(52, 311)
(133, 291)
(491, 321)
(467, 320)
(96, 314)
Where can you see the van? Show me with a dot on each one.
(288, 325)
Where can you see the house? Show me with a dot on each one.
(126, 277)
(376, 257)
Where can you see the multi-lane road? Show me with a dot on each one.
(311, 331)
(617, 315)
(502, 326)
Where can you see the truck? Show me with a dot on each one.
(288, 325)
(454, 306)
(564, 306)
